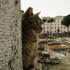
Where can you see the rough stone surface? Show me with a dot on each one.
(10, 35)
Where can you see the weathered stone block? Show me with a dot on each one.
(10, 35)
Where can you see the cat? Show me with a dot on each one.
(31, 27)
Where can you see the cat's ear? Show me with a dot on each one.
(38, 13)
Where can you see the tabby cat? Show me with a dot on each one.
(30, 28)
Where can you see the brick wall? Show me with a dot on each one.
(10, 35)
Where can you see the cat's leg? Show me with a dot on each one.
(33, 55)
(26, 54)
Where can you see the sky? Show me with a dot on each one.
(48, 8)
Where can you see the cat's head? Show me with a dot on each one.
(34, 23)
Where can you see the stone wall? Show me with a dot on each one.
(10, 35)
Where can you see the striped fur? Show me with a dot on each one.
(30, 28)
